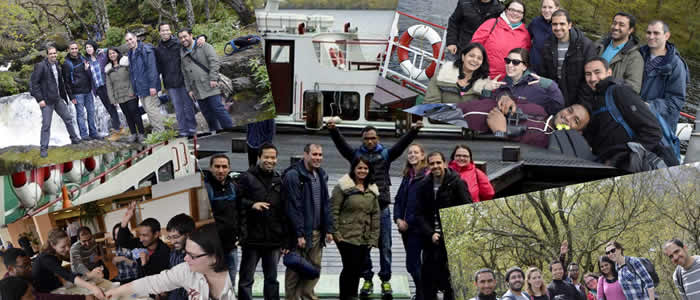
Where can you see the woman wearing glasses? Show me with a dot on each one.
(520, 84)
(609, 287)
(477, 182)
(204, 274)
(499, 35)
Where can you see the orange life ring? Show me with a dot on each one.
(422, 32)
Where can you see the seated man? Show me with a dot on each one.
(85, 254)
(609, 136)
(521, 121)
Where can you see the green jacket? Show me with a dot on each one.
(355, 213)
(118, 84)
(627, 64)
(196, 79)
(443, 87)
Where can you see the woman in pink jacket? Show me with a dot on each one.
(500, 35)
(478, 183)
(609, 287)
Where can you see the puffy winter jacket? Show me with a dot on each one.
(119, 87)
(499, 41)
(268, 228)
(443, 88)
(467, 17)
(627, 64)
(546, 93)
(477, 182)
(664, 87)
(572, 82)
(355, 213)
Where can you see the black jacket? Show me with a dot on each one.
(452, 192)
(225, 207)
(80, 82)
(606, 137)
(46, 269)
(466, 18)
(572, 82)
(268, 228)
(168, 63)
(380, 162)
(561, 287)
(42, 84)
(157, 262)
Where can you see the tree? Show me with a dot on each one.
(101, 14)
(245, 14)
(190, 13)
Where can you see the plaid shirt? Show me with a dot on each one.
(176, 258)
(96, 68)
(634, 279)
(126, 270)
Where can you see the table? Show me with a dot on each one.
(105, 285)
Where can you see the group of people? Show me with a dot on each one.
(523, 83)
(196, 264)
(619, 277)
(189, 71)
(273, 214)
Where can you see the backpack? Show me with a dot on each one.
(670, 144)
(241, 43)
(649, 266)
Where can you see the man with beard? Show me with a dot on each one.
(485, 282)
(155, 255)
(86, 255)
(515, 277)
(78, 83)
(179, 229)
(685, 277)
(264, 224)
(559, 287)
(48, 88)
(573, 275)
(440, 189)
(225, 207)
(17, 263)
(621, 50)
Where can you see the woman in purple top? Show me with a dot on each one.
(608, 286)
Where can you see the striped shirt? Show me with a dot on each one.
(691, 280)
(316, 192)
(562, 48)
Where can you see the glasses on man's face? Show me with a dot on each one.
(515, 62)
(195, 256)
(610, 251)
(515, 11)
(174, 237)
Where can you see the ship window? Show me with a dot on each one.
(165, 172)
(376, 112)
(345, 105)
(148, 180)
(279, 54)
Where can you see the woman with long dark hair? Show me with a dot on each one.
(609, 287)
(478, 183)
(120, 92)
(462, 80)
(204, 274)
(520, 84)
(47, 267)
(405, 210)
(355, 212)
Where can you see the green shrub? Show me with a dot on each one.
(218, 32)
(114, 37)
(8, 86)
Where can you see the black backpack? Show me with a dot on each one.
(649, 266)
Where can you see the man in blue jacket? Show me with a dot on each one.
(144, 78)
(305, 184)
(665, 74)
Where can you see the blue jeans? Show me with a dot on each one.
(384, 249)
(87, 103)
(184, 111)
(214, 112)
(232, 262)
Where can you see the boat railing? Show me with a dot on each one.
(350, 54)
(421, 58)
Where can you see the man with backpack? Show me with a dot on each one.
(380, 157)
(622, 127)
(78, 79)
(685, 277)
(635, 274)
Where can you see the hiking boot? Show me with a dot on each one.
(386, 288)
(76, 141)
(114, 135)
(367, 288)
(132, 138)
(140, 138)
(44, 153)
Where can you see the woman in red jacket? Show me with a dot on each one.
(500, 35)
(478, 183)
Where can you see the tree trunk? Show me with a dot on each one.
(76, 16)
(206, 10)
(162, 12)
(658, 5)
(245, 14)
(101, 15)
(190, 13)
(173, 5)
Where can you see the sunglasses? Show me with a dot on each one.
(514, 61)
(611, 251)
